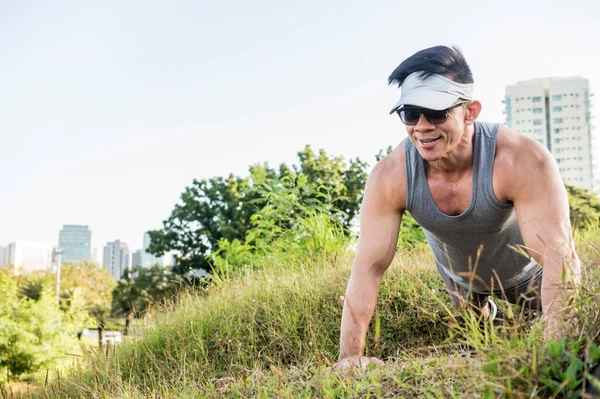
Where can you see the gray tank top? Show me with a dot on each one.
(487, 223)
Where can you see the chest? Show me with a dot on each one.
(453, 195)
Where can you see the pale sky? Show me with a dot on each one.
(108, 110)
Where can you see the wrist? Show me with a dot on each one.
(347, 354)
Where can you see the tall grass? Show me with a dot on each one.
(271, 329)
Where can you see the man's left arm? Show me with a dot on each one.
(542, 208)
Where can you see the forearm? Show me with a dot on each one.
(359, 305)
(561, 277)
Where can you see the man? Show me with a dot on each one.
(479, 190)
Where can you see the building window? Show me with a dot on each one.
(556, 130)
(556, 97)
(556, 109)
(538, 110)
(538, 122)
(557, 120)
(536, 99)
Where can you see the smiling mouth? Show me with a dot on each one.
(429, 141)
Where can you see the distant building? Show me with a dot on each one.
(95, 259)
(136, 258)
(556, 112)
(149, 260)
(116, 258)
(28, 257)
(3, 256)
(145, 259)
(75, 241)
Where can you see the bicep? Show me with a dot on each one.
(542, 208)
(380, 217)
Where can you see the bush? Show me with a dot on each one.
(35, 333)
(584, 208)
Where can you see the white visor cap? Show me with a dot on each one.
(434, 92)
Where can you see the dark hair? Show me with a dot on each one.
(442, 60)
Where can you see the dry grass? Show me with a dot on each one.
(273, 332)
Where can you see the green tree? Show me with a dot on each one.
(91, 284)
(35, 333)
(10, 329)
(584, 208)
(296, 220)
(221, 209)
(209, 211)
(142, 287)
(345, 182)
(31, 286)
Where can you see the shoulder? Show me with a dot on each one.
(521, 162)
(516, 150)
(387, 180)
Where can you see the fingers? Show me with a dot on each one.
(376, 361)
(360, 362)
(338, 366)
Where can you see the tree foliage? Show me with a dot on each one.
(584, 208)
(296, 222)
(220, 209)
(92, 283)
(142, 287)
(332, 176)
(209, 210)
(35, 333)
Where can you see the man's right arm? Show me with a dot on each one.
(380, 216)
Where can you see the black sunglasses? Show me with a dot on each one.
(410, 116)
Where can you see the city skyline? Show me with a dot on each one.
(78, 235)
(109, 118)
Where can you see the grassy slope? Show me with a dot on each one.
(274, 333)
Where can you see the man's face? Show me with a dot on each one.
(437, 141)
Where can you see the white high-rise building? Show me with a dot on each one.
(116, 258)
(28, 256)
(557, 113)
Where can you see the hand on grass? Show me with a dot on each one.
(356, 361)
(556, 328)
